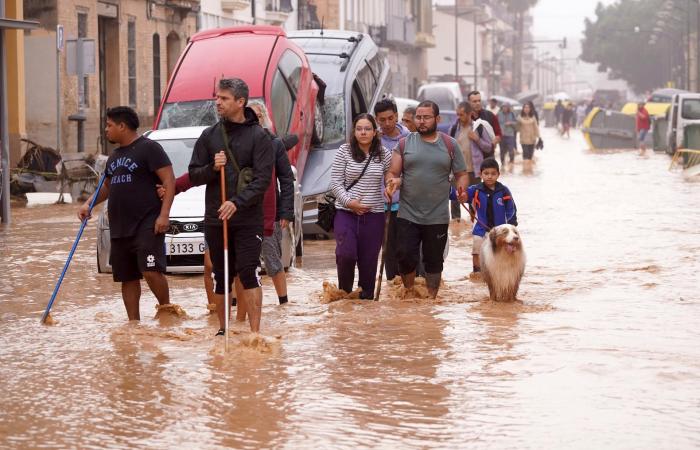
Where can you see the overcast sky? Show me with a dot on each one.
(559, 18)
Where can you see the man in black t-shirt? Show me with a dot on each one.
(138, 219)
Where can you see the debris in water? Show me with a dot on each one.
(171, 308)
(49, 320)
(331, 293)
(256, 341)
(419, 290)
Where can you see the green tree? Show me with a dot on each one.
(618, 41)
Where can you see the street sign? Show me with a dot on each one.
(59, 38)
(88, 56)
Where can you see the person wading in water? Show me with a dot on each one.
(421, 165)
(239, 135)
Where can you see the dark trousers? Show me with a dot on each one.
(528, 150)
(391, 264)
(507, 148)
(358, 240)
(411, 236)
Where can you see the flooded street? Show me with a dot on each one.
(602, 353)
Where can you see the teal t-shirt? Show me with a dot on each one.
(425, 189)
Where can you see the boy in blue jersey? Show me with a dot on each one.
(493, 204)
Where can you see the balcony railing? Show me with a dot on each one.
(277, 11)
(234, 5)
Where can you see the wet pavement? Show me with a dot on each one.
(602, 353)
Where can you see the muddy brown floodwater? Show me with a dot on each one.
(603, 352)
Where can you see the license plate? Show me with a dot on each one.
(184, 247)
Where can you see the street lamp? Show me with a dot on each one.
(450, 59)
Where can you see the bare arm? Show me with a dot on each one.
(462, 182)
(167, 179)
(393, 176)
(84, 211)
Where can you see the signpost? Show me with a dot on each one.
(60, 42)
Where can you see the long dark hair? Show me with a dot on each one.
(375, 148)
(533, 111)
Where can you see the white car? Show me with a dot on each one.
(184, 243)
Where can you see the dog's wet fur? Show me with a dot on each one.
(503, 262)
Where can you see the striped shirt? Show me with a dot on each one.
(369, 190)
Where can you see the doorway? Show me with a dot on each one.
(108, 44)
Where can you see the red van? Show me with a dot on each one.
(275, 69)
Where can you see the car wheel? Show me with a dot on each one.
(317, 135)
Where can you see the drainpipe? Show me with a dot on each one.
(341, 7)
(252, 11)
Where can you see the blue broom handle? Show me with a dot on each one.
(72, 250)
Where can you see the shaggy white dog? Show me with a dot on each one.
(503, 262)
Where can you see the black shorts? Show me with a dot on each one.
(410, 236)
(244, 247)
(133, 255)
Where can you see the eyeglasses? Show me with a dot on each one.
(361, 129)
(423, 118)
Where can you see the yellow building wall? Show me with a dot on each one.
(16, 123)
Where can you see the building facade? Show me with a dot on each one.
(403, 29)
(474, 47)
(130, 48)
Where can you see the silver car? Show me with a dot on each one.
(184, 243)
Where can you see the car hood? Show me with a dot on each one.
(317, 170)
(189, 203)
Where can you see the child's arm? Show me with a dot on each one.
(511, 209)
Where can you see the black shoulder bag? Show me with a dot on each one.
(326, 210)
(245, 175)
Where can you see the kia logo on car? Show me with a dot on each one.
(190, 227)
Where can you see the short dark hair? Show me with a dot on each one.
(385, 105)
(125, 115)
(466, 106)
(411, 110)
(429, 104)
(472, 93)
(490, 163)
(236, 86)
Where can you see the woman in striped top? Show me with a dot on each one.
(359, 221)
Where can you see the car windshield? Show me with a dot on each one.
(334, 119)
(328, 69)
(660, 99)
(691, 109)
(180, 152)
(195, 113)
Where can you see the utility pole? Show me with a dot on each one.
(456, 45)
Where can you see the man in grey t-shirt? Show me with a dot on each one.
(421, 167)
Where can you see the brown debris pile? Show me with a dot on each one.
(171, 309)
(331, 293)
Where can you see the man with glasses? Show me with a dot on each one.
(421, 165)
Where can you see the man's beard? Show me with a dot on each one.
(429, 131)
